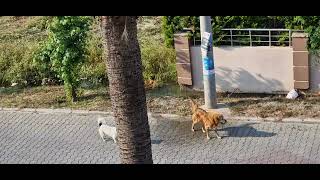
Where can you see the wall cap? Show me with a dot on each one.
(299, 35)
(180, 34)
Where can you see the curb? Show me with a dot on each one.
(54, 111)
(166, 116)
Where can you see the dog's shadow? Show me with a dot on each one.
(156, 141)
(245, 130)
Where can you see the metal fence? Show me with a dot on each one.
(252, 37)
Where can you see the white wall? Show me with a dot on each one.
(250, 69)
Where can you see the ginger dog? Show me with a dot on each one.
(216, 117)
(209, 121)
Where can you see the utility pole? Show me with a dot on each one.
(209, 81)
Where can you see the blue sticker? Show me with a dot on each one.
(208, 63)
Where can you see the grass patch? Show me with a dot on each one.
(54, 97)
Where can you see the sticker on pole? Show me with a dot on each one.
(208, 63)
(208, 66)
(206, 43)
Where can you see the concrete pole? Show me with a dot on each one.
(208, 63)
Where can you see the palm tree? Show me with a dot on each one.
(127, 88)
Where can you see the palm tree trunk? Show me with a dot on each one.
(127, 89)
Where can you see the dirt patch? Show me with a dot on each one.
(168, 100)
(171, 105)
(276, 106)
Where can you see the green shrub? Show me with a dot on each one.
(65, 50)
(174, 24)
(94, 68)
(159, 63)
(16, 64)
(171, 25)
(16, 55)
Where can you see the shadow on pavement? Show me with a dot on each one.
(156, 141)
(246, 130)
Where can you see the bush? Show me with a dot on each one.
(16, 55)
(173, 24)
(93, 73)
(16, 64)
(311, 25)
(65, 50)
(170, 25)
(94, 68)
(159, 63)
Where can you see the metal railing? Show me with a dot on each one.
(254, 37)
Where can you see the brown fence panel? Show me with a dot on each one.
(183, 60)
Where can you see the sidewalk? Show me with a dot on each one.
(71, 137)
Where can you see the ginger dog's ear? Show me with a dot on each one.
(194, 105)
(192, 102)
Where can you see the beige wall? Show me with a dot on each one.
(250, 69)
(314, 72)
